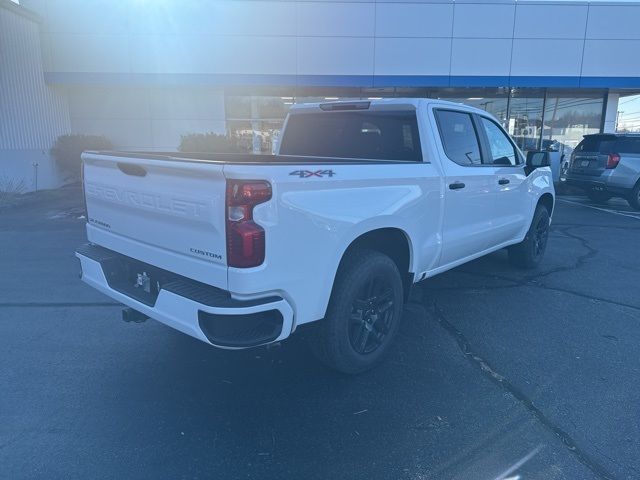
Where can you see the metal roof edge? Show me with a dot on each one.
(20, 10)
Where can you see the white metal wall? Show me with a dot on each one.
(32, 114)
(465, 38)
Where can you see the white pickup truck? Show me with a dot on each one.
(362, 200)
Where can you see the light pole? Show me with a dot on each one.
(618, 113)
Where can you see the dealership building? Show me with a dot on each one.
(144, 72)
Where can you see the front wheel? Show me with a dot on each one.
(528, 253)
(363, 315)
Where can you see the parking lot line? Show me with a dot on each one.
(615, 212)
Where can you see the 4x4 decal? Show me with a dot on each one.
(309, 173)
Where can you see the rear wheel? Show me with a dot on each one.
(598, 196)
(363, 315)
(529, 253)
(634, 197)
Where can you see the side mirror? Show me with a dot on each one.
(537, 159)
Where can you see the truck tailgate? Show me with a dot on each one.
(167, 213)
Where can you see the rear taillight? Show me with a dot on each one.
(613, 159)
(245, 238)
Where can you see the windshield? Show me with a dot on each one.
(384, 135)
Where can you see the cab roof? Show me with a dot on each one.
(377, 105)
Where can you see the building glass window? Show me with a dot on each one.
(492, 101)
(273, 108)
(525, 118)
(237, 107)
(536, 119)
(241, 133)
(255, 121)
(567, 118)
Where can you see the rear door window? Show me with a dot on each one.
(459, 137)
(383, 135)
(627, 145)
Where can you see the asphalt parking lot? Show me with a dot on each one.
(496, 373)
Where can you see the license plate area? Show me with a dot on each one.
(136, 279)
(585, 163)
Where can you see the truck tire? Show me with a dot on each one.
(598, 197)
(363, 315)
(528, 253)
(634, 197)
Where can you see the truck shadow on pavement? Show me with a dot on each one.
(427, 411)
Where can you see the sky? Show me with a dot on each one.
(629, 116)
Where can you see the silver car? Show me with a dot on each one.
(607, 165)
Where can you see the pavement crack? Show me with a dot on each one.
(533, 280)
(500, 380)
(580, 262)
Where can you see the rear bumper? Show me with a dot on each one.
(595, 183)
(201, 311)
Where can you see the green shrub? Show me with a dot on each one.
(68, 148)
(209, 143)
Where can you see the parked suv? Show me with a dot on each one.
(606, 166)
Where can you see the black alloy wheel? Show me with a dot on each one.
(363, 315)
(540, 237)
(371, 315)
(529, 253)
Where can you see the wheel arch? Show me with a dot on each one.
(391, 241)
(547, 201)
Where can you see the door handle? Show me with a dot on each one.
(503, 181)
(456, 185)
